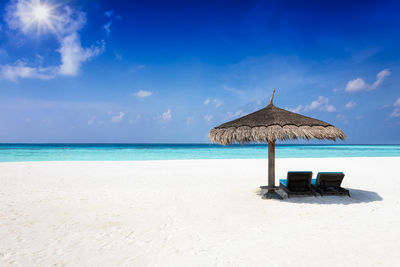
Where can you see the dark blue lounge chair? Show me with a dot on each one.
(298, 183)
(329, 183)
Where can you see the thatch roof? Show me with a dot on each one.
(272, 123)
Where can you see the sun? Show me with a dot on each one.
(37, 15)
(41, 13)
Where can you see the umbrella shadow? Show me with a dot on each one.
(357, 196)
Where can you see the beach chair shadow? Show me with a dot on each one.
(357, 196)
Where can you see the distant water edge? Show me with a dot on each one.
(121, 152)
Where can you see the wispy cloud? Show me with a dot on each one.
(380, 77)
(358, 84)
(322, 104)
(215, 101)
(297, 109)
(73, 54)
(396, 110)
(208, 118)
(110, 14)
(143, 93)
(232, 90)
(118, 118)
(65, 28)
(237, 113)
(350, 105)
(395, 113)
(107, 28)
(117, 55)
(21, 70)
(166, 116)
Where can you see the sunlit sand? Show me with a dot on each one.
(195, 213)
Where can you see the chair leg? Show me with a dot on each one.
(313, 191)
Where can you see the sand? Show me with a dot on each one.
(195, 213)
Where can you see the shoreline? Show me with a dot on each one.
(175, 160)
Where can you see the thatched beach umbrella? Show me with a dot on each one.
(268, 125)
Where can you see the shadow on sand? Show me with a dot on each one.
(357, 196)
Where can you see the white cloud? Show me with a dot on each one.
(397, 103)
(208, 118)
(109, 13)
(111, 16)
(73, 54)
(118, 118)
(396, 113)
(118, 56)
(21, 70)
(359, 84)
(143, 93)
(217, 103)
(65, 25)
(107, 28)
(322, 103)
(380, 77)
(230, 115)
(356, 85)
(396, 110)
(296, 109)
(166, 116)
(350, 105)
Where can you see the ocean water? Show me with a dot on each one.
(114, 152)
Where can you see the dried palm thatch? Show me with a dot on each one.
(272, 123)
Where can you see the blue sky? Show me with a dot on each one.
(169, 71)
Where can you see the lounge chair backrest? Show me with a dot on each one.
(329, 179)
(299, 181)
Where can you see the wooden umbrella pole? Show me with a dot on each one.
(271, 166)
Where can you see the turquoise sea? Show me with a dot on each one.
(113, 152)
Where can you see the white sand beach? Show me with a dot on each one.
(195, 213)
